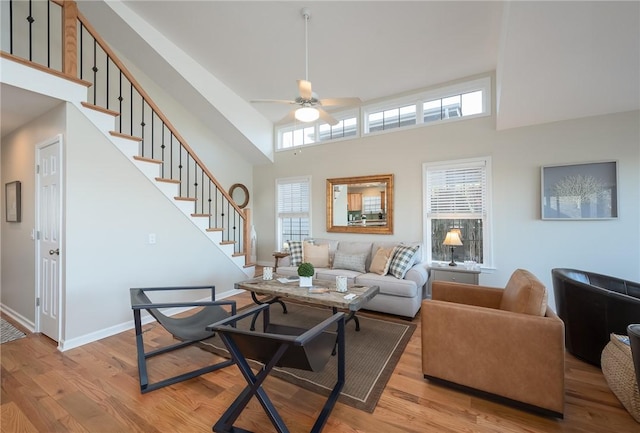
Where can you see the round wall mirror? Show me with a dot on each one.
(240, 195)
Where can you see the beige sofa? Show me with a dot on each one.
(504, 343)
(398, 296)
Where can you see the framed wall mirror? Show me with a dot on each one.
(362, 204)
(240, 194)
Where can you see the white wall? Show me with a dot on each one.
(520, 237)
(108, 220)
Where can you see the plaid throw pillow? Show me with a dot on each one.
(295, 252)
(402, 260)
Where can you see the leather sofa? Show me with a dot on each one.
(505, 344)
(592, 307)
(398, 296)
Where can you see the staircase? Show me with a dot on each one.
(118, 106)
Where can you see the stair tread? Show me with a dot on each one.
(200, 215)
(127, 136)
(227, 242)
(186, 198)
(215, 229)
(145, 159)
(100, 109)
(163, 179)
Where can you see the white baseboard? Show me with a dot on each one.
(23, 321)
(113, 330)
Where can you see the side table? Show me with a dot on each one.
(278, 255)
(458, 274)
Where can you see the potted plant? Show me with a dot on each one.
(306, 273)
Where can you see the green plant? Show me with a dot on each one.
(306, 269)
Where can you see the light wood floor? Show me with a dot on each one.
(94, 388)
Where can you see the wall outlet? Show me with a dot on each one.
(152, 238)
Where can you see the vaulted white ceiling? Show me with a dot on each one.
(553, 60)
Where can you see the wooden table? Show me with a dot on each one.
(276, 291)
(278, 255)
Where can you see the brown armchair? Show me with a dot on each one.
(500, 343)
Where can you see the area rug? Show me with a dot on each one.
(371, 354)
(9, 332)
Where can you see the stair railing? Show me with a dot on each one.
(56, 36)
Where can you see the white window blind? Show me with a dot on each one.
(293, 209)
(457, 191)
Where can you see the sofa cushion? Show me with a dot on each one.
(295, 253)
(381, 261)
(353, 262)
(317, 255)
(352, 247)
(333, 246)
(331, 274)
(403, 256)
(389, 285)
(525, 294)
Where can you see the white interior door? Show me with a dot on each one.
(49, 227)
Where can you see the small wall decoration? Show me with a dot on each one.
(580, 191)
(12, 201)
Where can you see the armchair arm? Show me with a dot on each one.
(470, 294)
(514, 355)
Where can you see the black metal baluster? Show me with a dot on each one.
(152, 133)
(187, 183)
(180, 168)
(131, 108)
(95, 72)
(48, 34)
(11, 26)
(171, 151)
(30, 20)
(81, 51)
(202, 192)
(120, 98)
(142, 125)
(209, 204)
(162, 147)
(195, 186)
(107, 81)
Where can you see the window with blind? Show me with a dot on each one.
(293, 209)
(457, 196)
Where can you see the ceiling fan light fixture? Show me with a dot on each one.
(307, 114)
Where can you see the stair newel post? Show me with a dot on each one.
(70, 38)
(246, 241)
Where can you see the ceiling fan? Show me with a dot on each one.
(310, 106)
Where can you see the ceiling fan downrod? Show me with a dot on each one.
(306, 14)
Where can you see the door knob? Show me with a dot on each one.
(56, 252)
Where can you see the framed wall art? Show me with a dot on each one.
(580, 191)
(12, 201)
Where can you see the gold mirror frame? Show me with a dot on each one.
(335, 194)
(241, 193)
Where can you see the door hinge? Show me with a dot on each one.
(37, 168)
(37, 302)
(38, 235)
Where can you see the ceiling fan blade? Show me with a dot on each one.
(326, 116)
(289, 118)
(345, 102)
(277, 101)
(304, 87)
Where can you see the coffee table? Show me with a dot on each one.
(325, 295)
